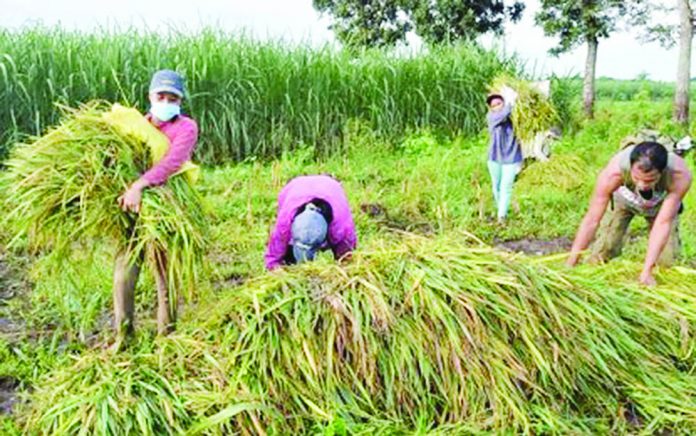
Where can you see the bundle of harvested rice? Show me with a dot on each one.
(564, 171)
(420, 335)
(62, 188)
(532, 113)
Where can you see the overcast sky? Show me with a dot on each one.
(620, 56)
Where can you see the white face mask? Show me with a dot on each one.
(165, 111)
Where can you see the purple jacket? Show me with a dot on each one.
(182, 133)
(298, 192)
(504, 148)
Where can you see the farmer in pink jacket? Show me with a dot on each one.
(166, 94)
(313, 215)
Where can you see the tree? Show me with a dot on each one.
(667, 33)
(586, 21)
(438, 21)
(368, 23)
(371, 23)
(686, 35)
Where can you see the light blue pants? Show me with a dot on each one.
(502, 179)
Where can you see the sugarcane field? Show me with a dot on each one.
(208, 232)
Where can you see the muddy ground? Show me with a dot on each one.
(8, 394)
(538, 247)
(530, 246)
(12, 284)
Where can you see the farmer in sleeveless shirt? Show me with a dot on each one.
(646, 180)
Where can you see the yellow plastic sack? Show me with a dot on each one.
(131, 122)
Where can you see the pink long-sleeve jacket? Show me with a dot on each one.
(298, 192)
(182, 133)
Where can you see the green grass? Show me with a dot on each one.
(425, 185)
(250, 98)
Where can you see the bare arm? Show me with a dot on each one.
(607, 182)
(659, 235)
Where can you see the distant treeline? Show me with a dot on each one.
(628, 90)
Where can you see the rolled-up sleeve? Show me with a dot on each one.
(280, 235)
(182, 143)
(277, 246)
(497, 118)
(346, 245)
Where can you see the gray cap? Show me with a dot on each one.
(309, 229)
(167, 81)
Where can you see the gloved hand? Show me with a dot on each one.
(509, 95)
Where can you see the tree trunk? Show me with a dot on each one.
(589, 85)
(686, 33)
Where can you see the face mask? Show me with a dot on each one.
(164, 111)
(646, 194)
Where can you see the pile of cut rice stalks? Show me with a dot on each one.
(414, 335)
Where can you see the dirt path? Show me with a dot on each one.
(11, 286)
(537, 247)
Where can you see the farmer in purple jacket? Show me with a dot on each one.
(505, 153)
(313, 215)
(166, 94)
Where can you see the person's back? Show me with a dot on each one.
(293, 199)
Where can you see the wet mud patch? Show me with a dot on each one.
(13, 284)
(10, 328)
(10, 285)
(380, 214)
(536, 247)
(8, 394)
(231, 280)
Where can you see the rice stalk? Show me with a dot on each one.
(62, 188)
(437, 335)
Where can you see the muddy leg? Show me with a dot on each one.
(611, 233)
(166, 309)
(125, 279)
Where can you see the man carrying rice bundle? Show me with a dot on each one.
(643, 179)
(165, 94)
(313, 215)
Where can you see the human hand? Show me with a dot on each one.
(572, 260)
(647, 279)
(346, 258)
(131, 199)
(509, 95)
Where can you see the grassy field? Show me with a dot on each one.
(251, 99)
(628, 90)
(200, 381)
(434, 327)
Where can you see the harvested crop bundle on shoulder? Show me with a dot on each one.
(533, 115)
(62, 188)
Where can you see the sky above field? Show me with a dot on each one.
(621, 56)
